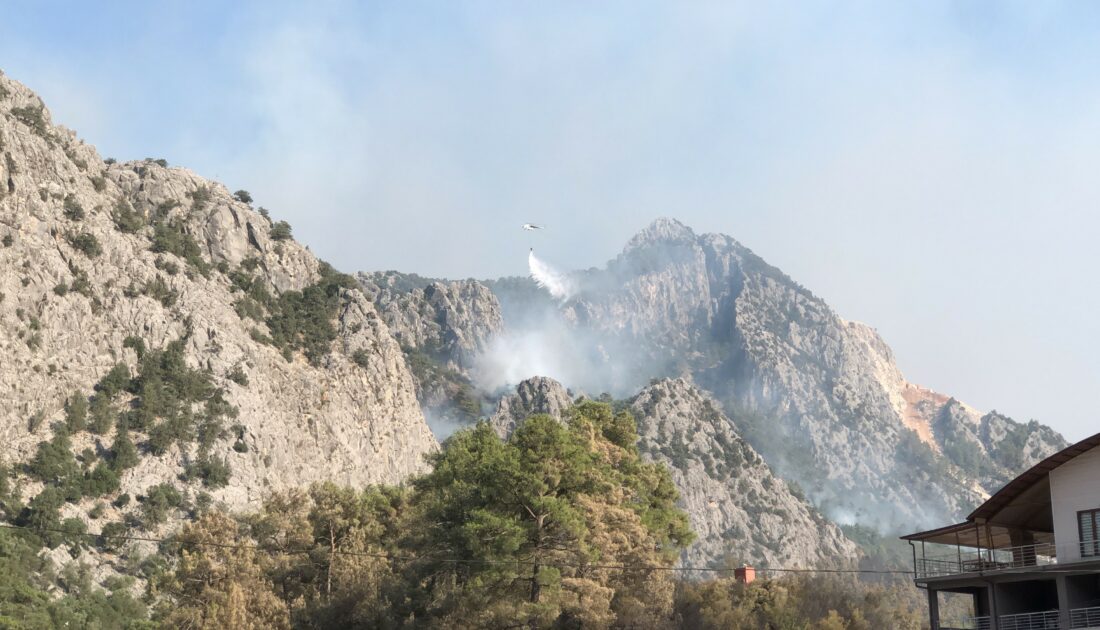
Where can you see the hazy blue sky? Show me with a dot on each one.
(929, 168)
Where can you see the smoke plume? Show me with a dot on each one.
(557, 283)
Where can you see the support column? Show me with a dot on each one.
(934, 609)
(1063, 601)
(994, 615)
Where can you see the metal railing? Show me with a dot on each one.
(986, 560)
(1046, 620)
(973, 623)
(1089, 549)
(1084, 618)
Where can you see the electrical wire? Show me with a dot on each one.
(457, 561)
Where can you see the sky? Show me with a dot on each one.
(928, 168)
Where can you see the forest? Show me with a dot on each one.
(562, 525)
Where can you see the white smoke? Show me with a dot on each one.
(553, 350)
(443, 427)
(560, 285)
(544, 342)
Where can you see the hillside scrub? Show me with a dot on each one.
(298, 321)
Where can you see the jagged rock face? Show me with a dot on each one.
(830, 409)
(741, 511)
(352, 422)
(452, 321)
(1014, 446)
(442, 327)
(534, 395)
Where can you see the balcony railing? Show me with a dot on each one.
(973, 623)
(1084, 618)
(1090, 549)
(1046, 620)
(986, 560)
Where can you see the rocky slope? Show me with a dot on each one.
(442, 328)
(820, 397)
(739, 509)
(102, 263)
(452, 321)
(534, 395)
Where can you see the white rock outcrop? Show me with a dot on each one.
(349, 421)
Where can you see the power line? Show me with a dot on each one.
(468, 561)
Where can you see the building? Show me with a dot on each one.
(745, 574)
(1029, 557)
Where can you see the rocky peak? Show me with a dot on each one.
(837, 415)
(537, 394)
(740, 509)
(662, 231)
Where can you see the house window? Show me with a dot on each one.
(1088, 525)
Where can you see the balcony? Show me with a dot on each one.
(1046, 620)
(1084, 618)
(986, 560)
(1079, 619)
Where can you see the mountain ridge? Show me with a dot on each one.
(833, 411)
(104, 263)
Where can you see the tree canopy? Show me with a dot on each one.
(562, 524)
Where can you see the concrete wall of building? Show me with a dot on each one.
(1074, 486)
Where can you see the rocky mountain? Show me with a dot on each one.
(442, 327)
(452, 321)
(739, 509)
(537, 394)
(165, 341)
(820, 397)
(160, 333)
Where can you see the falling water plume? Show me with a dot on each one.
(557, 283)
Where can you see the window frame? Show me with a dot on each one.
(1092, 545)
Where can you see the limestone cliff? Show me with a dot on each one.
(452, 321)
(102, 261)
(442, 327)
(820, 397)
(741, 511)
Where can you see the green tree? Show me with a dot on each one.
(85, 243)
(72, 208)
(103, 479)
(76, 412)
(123, 452)
(53, 462)
(102, 414)
(158, 501)
(43, 514)
(531, 513)
(115, 381)
(126, 219)
(280, 231)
